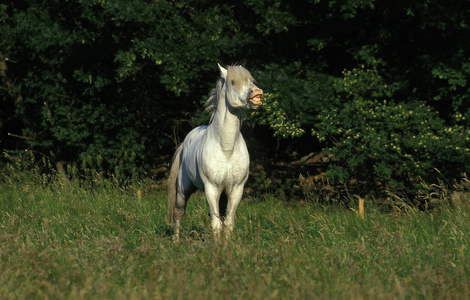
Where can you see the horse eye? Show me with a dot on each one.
(232, 82)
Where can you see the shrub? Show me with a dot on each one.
(389, 143)
(274, 116)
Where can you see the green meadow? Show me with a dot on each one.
(101, 241)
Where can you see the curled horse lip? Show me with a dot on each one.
(256, 99)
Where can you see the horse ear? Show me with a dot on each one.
(223, 71)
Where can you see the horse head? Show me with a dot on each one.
(240, 89)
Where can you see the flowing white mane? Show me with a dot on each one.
(211, 103)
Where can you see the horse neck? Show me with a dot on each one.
(225, 126)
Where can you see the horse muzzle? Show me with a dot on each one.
(256, 96)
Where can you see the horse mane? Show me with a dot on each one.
(237, 73)
(211, 103)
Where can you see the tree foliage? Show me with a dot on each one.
(103, 81)
(102, 85)
(378, 140)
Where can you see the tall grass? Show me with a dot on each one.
(62, 240)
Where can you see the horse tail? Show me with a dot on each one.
(172, 184)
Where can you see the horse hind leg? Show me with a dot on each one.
(223, 201)
(182, 197)
(180, 209)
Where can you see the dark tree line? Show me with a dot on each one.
(112, 85)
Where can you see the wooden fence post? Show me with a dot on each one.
(361, 208)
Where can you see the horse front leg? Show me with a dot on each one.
(234, 199)
(212, 198)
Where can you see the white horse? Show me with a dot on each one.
(214, 158)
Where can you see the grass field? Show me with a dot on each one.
(69, 241)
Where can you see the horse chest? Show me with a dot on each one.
(221, 166)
